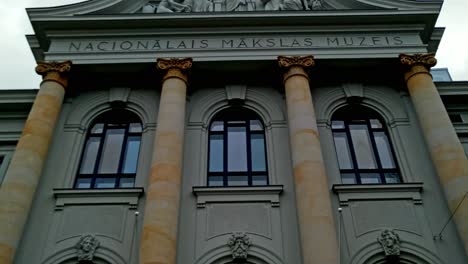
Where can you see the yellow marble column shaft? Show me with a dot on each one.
(23, 174)
(446, 150)
(316, 225)
(159, 238)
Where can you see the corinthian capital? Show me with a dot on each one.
(427, 60)
(417, 64)
(300, 61)
(175, 67)
(54, 71)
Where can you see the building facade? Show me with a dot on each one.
(215, 131)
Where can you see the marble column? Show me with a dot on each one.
(315, 216)
(23, 174)
(446, 150)
(159, 238)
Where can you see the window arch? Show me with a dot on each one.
(236, 151)
(364, 151)
(110, 155)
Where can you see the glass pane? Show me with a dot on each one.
(111, 152)
(369, 178)
(97, 129)
(1, 160)
(392, 177)
(131, 155)
(256, 125)
(375, 123)
(348, 178)
(90, 155)
(342, 151)
(215, 181)
(338, 124)
(217, 126)
(237, 149)
(83, 183)
(259, 180)
(258, 152)
(238, 180)
(385, 153)
(135, 128)
(102, 183)
(362, 147)
(127, 182)
(216, 153)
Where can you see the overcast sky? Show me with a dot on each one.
(17, 65)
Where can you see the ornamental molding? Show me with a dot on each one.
(86, 248)
(390, 242)
(239, 242)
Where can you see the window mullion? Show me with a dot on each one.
(353, 154)
(122, 156)
(249, 152)
(99, 155)
(225, 153)
(376, 151)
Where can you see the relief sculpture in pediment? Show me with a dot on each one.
(188, 6)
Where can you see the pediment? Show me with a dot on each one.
(114, 7)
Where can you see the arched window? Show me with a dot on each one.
(237, 153)
(110, 155)
(363, 148)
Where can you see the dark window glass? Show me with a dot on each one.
(363, 149)
(110, 155)
(237, 154)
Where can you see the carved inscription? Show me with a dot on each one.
(233, 43)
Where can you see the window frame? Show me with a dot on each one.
(230, 115)
(113, 124)
(364, 117)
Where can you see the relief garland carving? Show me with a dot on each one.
(86, 248)
(239, 242)
(188, 6)
(390, 242)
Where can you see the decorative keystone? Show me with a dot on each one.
(86, 248)
(239, 242)
(390, 242)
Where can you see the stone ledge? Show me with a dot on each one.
(269, 193)
(65, 197)
(403, 191)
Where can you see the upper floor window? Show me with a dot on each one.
(363, 148)
(110, 155)
(237, 153)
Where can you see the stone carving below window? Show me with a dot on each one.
(86, 248)
(189, 6)
(239, 242)
(390, 242)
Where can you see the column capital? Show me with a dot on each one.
(295, 65)
(54, 71)
(175, 67)
(417, 63)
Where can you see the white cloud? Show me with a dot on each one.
(17, 69)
